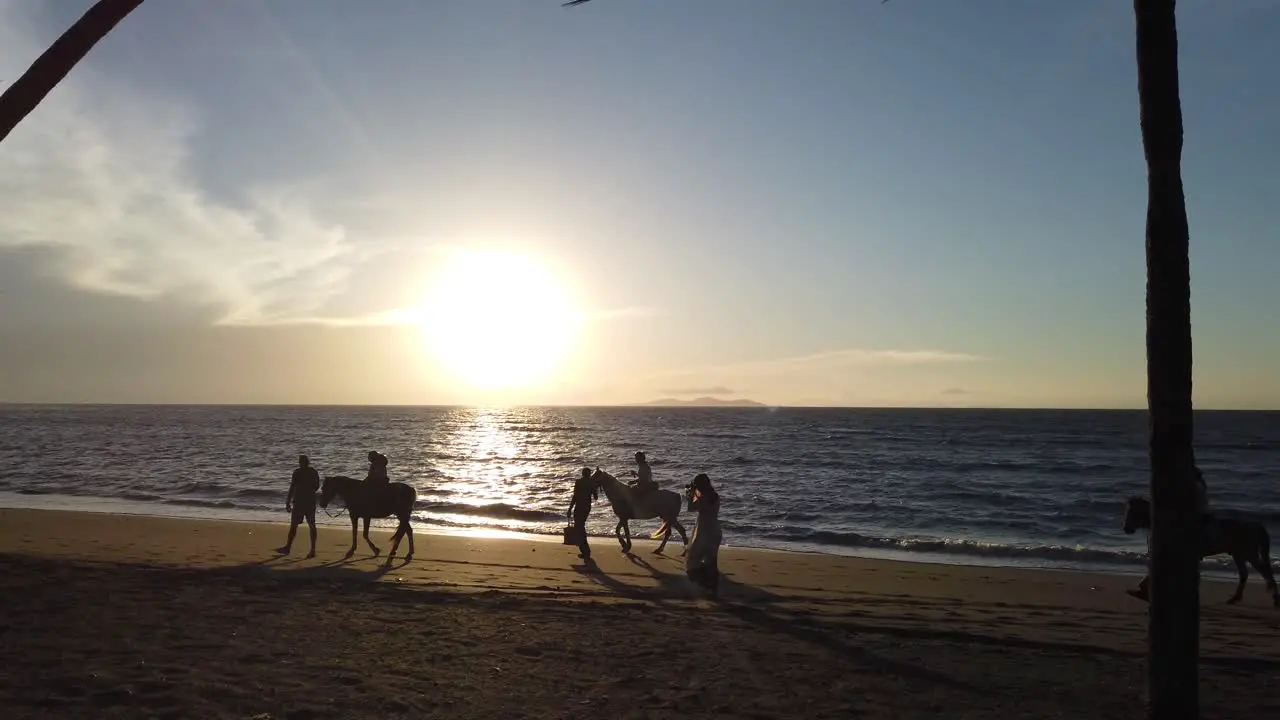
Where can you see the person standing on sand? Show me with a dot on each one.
(702, 560)
(585, 492)
(301, 503)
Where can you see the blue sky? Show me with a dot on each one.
(834, 202)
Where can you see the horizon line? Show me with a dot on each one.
(617, 406)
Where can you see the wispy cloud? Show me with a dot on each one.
(711, 390)
(826, 362)
(101, 174)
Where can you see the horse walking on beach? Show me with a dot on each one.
(1245, 541)
(395, 499)
(630, 505)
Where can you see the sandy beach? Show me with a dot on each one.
(126, 616)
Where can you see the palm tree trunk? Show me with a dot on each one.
(49, 69)
(1174, 622)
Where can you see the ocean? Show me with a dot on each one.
(1004, 487)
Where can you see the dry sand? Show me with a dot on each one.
(118, 616)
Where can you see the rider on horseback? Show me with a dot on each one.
(377, 481)
(644, 483)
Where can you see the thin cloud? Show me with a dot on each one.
(688, 391)
(623, 313)
(955, 391)
(100, 174)
(410, 316)
(830, 361)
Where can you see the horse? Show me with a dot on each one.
(1245, 541)
(396, 499)
(659, 503)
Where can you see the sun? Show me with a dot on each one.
(499, 320)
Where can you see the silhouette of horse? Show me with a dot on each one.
(397, 499)
(657, 503)
(1246, 542)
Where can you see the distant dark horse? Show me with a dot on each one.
(397, 499)
(1246, 542)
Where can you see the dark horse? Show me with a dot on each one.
(397, 499)
(1246, 542)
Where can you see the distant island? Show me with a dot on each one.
(703, 402)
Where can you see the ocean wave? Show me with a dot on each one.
(957, 546)
(496, 511)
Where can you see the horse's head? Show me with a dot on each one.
(328, 489)
(1137, 514)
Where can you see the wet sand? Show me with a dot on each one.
(119, 616)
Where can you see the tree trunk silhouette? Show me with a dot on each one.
(1174, 621)
(49, 69)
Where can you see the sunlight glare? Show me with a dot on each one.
(499, 320)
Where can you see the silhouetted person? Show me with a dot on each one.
(1206, 528)
(585, 492)
(301, 503)
(377, 479)
(702, 559)
(644, 475)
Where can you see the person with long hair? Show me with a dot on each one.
(702, 562)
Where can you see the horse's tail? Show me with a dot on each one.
(661, 529)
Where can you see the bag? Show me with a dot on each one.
(572, 534)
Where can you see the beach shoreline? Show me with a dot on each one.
(116, 506)
(114, 616)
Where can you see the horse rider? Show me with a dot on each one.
(377, 480)
(644, 483)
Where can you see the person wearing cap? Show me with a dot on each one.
(301, 503)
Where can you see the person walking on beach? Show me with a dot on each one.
(1206, 529)
(585, 493)
(301, 503)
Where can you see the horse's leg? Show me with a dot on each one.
(355, 530)
(683, 537)
(408, 530)
(665, 537)
(623, 532)
(1242, 567)
(374, 548)
(395, 540)
(1261, 566)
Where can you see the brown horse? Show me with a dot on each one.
(1246, 542)
(395, 499)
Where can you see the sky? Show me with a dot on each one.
(836, 202)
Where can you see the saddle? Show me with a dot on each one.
(378, 495)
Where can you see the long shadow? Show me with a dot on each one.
(273, 575)
(668, 585)
(832, 638)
